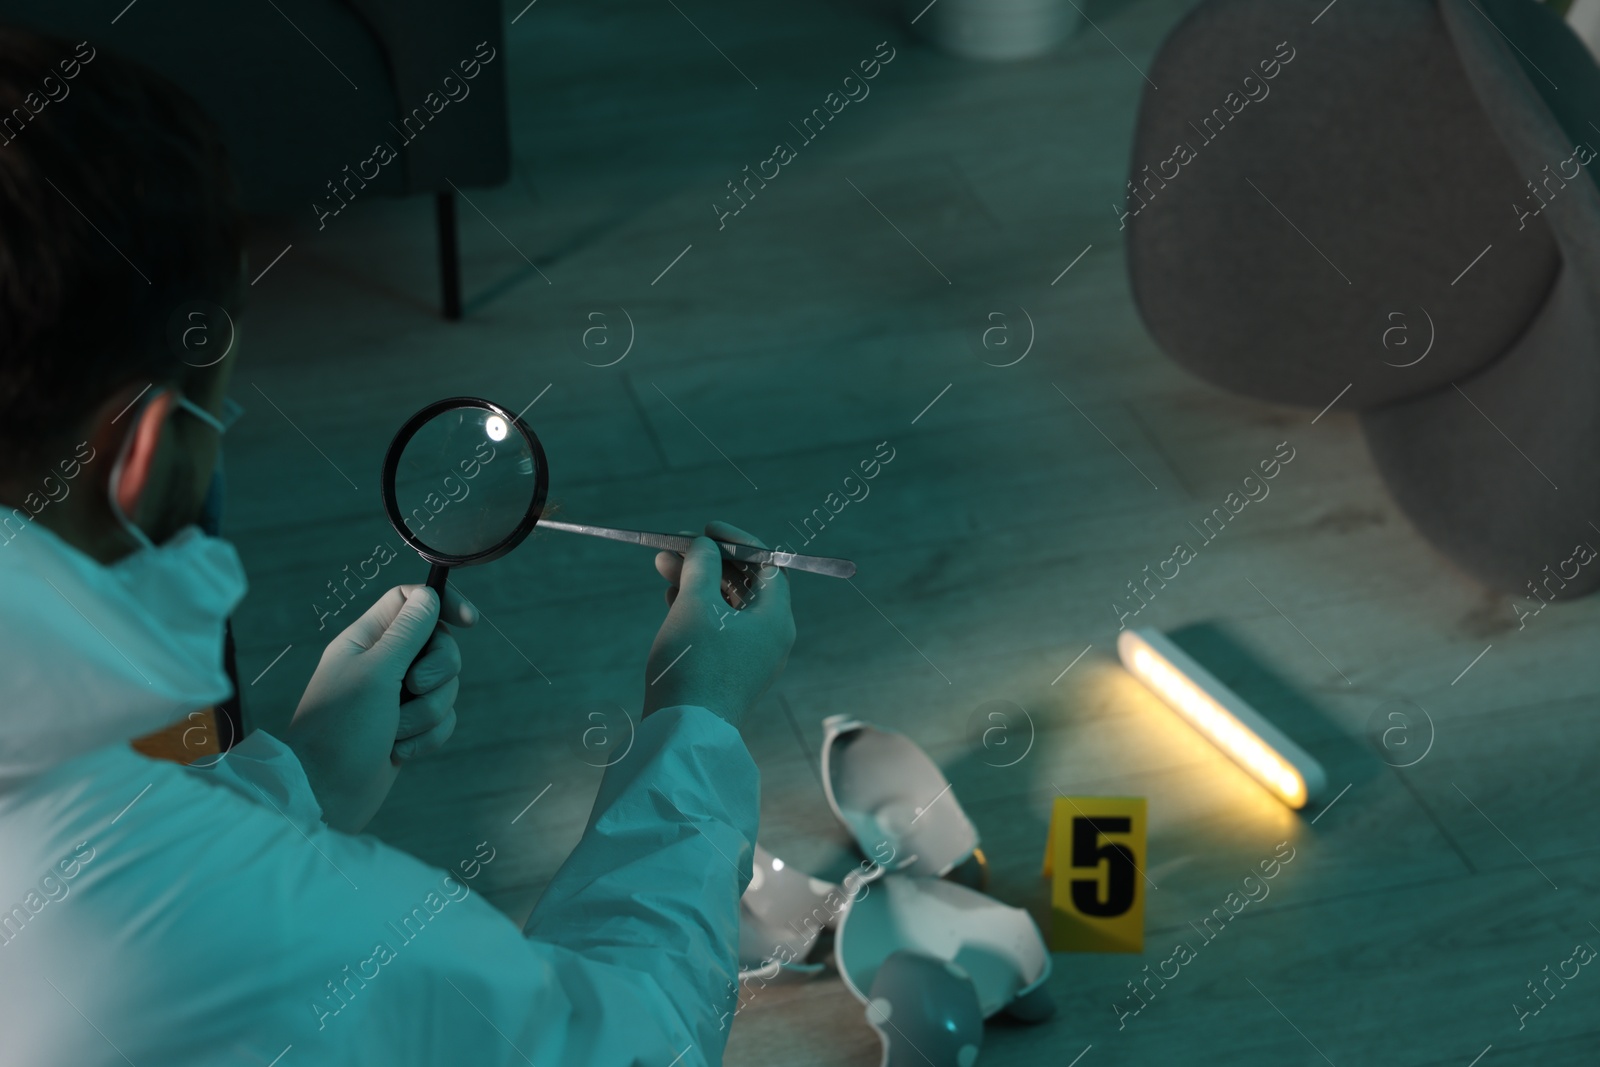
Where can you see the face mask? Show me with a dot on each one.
(98, 655)
(187, 586)
(193, 581)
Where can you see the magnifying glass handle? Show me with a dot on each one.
(438, 575)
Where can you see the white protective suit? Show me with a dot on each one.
(165, 916)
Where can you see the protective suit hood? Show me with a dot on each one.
(95, 654)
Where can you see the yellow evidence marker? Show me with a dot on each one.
(1095, 858)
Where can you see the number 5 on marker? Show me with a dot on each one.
(1094, 858)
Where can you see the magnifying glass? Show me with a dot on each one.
(464, 482)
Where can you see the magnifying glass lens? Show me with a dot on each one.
(464, 482)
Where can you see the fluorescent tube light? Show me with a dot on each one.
(1220, 716)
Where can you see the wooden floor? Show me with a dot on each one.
(847, 305)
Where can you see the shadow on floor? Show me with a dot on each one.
(1220, 650)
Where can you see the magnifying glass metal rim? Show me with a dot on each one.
(391, 466)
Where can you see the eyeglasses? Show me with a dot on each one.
(231, 410)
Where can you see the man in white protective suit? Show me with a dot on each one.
(163, 915)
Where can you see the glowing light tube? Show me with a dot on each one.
(1221, 717)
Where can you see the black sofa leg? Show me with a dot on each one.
(449, 256)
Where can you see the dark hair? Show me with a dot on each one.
(117, 207)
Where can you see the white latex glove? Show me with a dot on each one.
(351, 732)
(728, 630)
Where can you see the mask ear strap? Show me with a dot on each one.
(131, 472)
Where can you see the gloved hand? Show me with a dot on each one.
(350, 731)
(733, 619)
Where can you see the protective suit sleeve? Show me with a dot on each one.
(653, 886)
(244, 921)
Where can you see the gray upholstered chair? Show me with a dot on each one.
(305, 89)
(1390, 206)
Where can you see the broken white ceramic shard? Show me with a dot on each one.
(997, 946)
(925, 1011)
(893, 799)
(781, 914)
